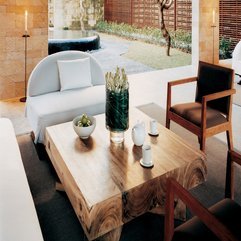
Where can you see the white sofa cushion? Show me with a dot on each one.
(74, 73)
(236, 58)
(236, 65)
(58, 107)
(237, 51)
(18, 217)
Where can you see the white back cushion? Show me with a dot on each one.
(74, 73)
(45, 77)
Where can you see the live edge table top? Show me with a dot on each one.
(105, 182)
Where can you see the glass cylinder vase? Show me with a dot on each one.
(117, 114)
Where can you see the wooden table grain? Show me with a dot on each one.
(105, 182)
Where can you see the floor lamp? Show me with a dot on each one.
(25, 36)
(213, 28)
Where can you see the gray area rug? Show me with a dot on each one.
(56, 215)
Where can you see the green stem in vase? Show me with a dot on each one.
(117, 101)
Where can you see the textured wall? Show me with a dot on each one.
(209, 36)
(12, 42)
(205, 38)
(76, 14)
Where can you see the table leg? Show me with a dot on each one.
(113, 235)
(59, 187)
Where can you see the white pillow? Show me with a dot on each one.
(74, 73)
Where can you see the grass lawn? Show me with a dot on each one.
(155, 56)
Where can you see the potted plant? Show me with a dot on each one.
(117, 104)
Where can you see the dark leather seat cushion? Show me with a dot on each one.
(227, 211)
(192, 113)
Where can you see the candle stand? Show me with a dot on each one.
(25, 36)
(213, 27)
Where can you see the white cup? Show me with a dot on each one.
(153, 127)
(146, 155)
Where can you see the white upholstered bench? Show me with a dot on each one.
(47, 104)
(236, 60)
(18, 218)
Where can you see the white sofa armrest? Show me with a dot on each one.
(18, 218)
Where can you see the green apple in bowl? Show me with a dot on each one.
(84, 125)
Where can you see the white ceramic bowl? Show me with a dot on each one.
(84, 132)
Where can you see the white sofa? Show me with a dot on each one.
(18, 218)
(46, 105)
(236, 59)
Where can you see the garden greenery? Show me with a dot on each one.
(225, 48)
(179, 39)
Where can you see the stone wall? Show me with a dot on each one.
(209, 31)
(51, 12)
(75, 14)
(12, 43)
(205, 31)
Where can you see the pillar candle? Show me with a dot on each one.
(26, 21)
(213, 16)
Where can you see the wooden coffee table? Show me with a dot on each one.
(105, 182)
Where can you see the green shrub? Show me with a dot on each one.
(225, 48)
(179, 39)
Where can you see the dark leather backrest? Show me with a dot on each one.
(212, 79)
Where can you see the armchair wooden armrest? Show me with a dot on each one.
(174, 83)
(182, 81)
(210, 97)
(218, 95)
(236, 157)
(229, 186)
(174, 188)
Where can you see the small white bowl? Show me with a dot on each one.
(81, 131)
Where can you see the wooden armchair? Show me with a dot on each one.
(220, 222)
(211, 112)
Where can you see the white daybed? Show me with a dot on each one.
(48, 104)
(236, 59)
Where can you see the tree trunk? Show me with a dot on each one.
(164, 4)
